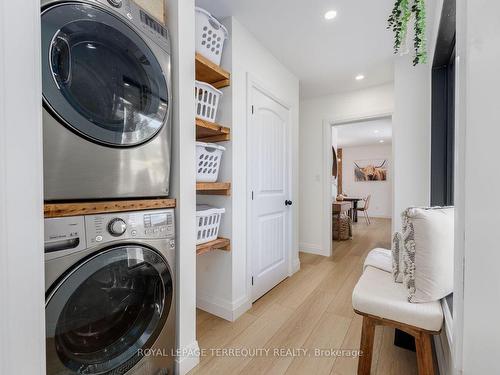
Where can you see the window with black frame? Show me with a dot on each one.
(443, 111)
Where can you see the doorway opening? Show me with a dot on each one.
(359, 184)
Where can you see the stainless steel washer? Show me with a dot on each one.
(110, 293)
(106, 72)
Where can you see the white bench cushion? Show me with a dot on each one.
(379, 258)
(377, 294)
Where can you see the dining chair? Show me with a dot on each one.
(365, 207)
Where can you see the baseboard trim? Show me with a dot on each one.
(215, 306)
(295, 266)
(222, 308)
(312, 249)
(188, 359)
(375, 216)
(240, 307)
(443, 354)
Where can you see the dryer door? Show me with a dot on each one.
(100, 78)
(106, 309)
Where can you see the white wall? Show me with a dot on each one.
(314, 114)
(22, 310)
(411, 136)
(412, 124)
(381, 191)
(180, 21)
(478, 134)
(223, 285)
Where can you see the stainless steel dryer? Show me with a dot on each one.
(110, 292)
(106, 71)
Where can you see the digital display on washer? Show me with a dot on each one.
(157, 220)
(152, 24)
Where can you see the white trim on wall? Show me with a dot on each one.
(22, 311)
(180, 20)
(223, 308)
(326, 233)
(459, 188)
(187, 358)
(311, 248)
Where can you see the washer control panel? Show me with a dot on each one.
(64, 235)
(155, 224)
(117, 227)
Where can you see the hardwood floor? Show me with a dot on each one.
(310, 310)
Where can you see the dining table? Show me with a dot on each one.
(340, 207)
(354, 207)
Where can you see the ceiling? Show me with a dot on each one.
(324, 55)
(365, 133)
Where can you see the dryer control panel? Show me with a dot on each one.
(142, 20)
(155, 224)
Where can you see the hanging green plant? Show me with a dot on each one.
(398, 22)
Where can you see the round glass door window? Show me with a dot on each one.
(100, 78)
(105, 310)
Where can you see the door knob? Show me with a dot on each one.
(288, 203)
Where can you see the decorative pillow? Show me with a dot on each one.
(428, 253)
(397, 257)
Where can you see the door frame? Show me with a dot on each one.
(254, 82)
(328, 124)
(22, 320)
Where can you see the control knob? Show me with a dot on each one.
(117, 227)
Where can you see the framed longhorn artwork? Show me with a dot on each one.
(370, 170)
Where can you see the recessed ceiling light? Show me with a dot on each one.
(360, 77)
(330, 15)
(381, 141)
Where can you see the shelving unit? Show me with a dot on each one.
(219, 244)
(213, 188)
(211, 132)
(207, 71)
(97, 207)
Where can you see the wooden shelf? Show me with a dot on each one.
(98, 207)
(218, 244)
(207, 71)
(207, 131)
(213, 188)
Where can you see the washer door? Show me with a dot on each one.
(99, 76)
(106, 309)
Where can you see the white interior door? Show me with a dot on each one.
(269, 167)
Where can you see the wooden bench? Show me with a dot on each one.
(381, 301)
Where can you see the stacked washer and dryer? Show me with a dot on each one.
(110, 292)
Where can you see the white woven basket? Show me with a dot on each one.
(208, 159)
(207, 101)
(210, 36)
(207, 223)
